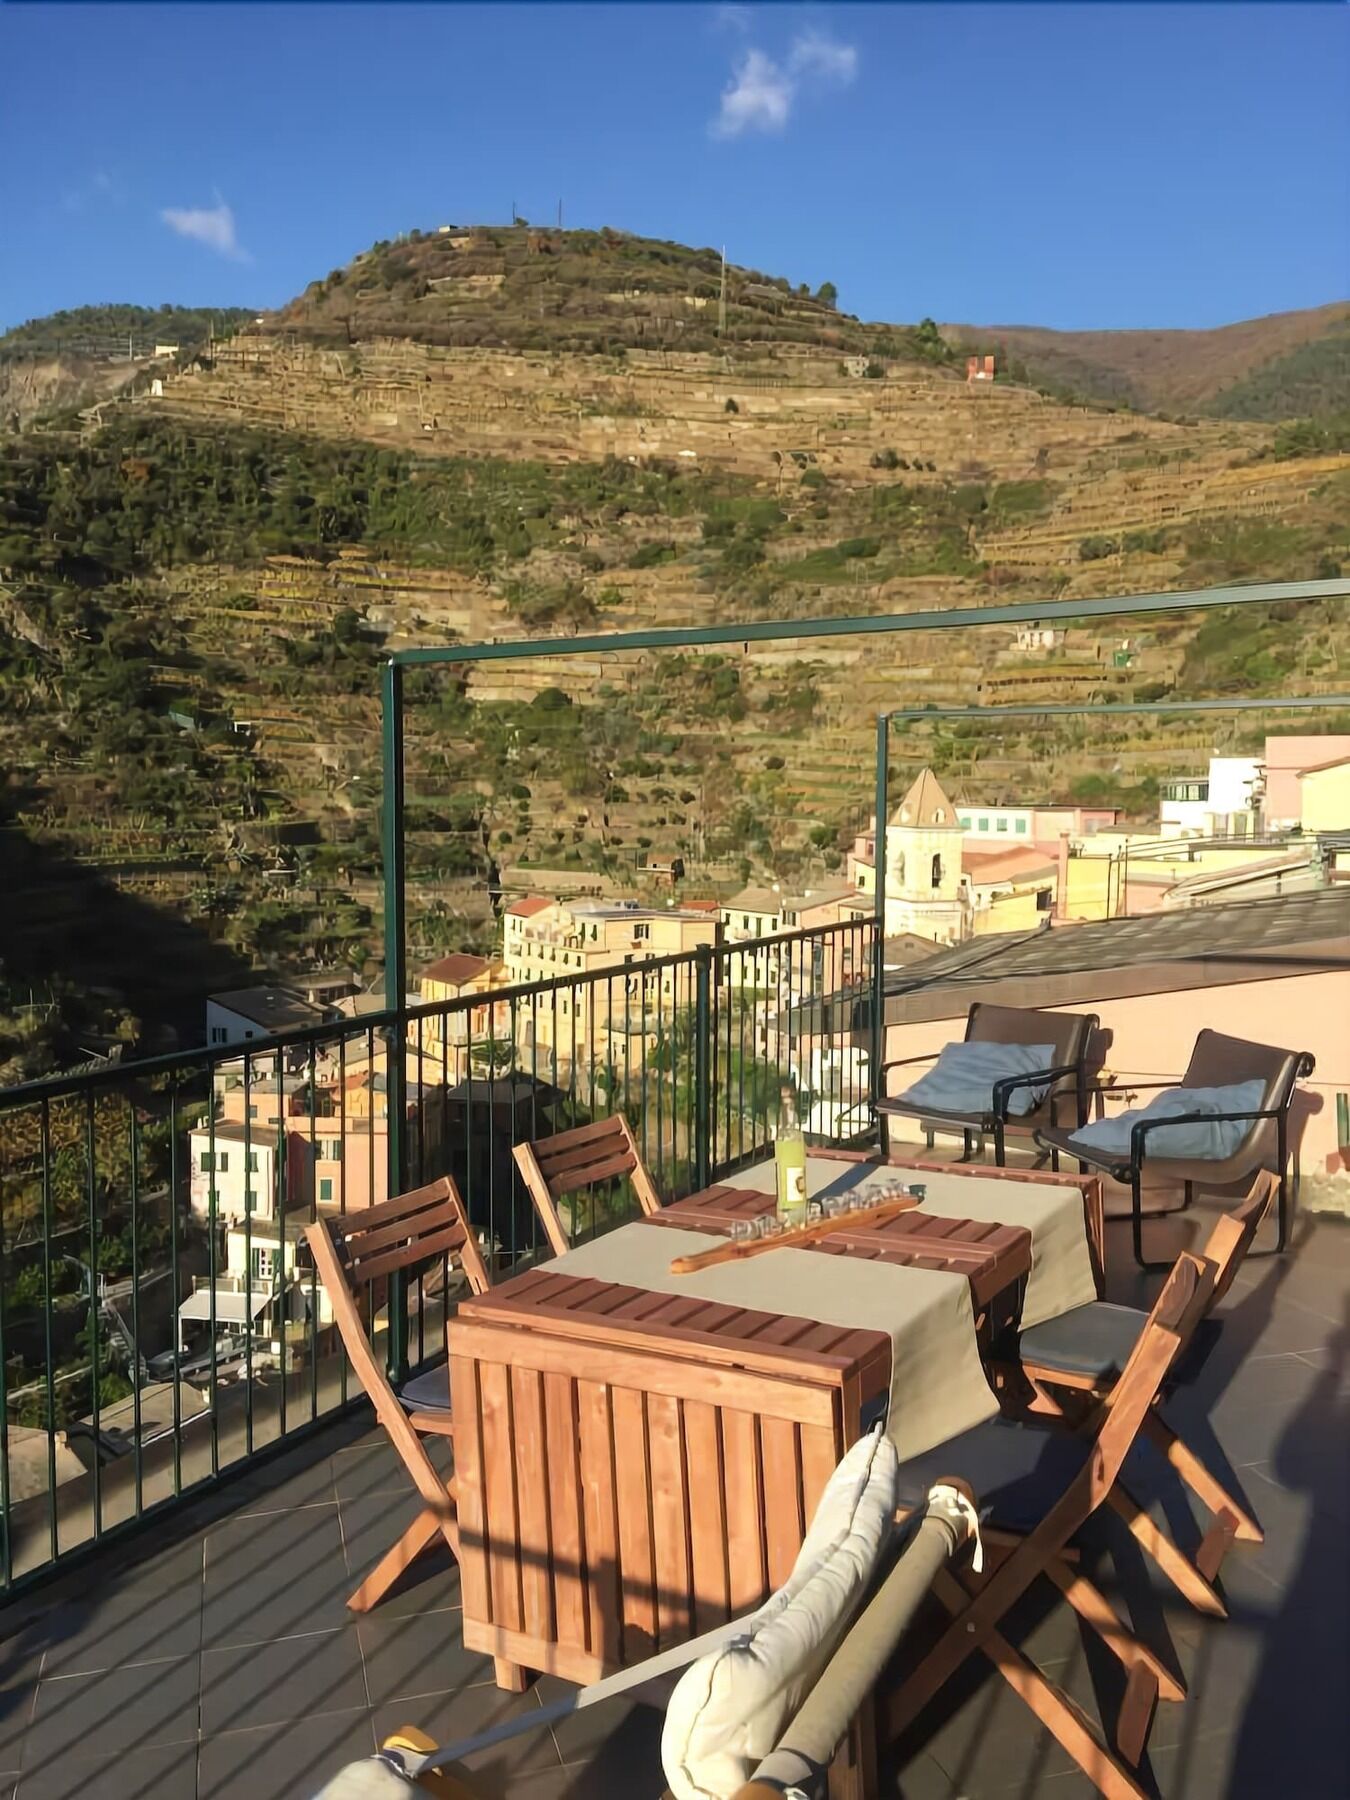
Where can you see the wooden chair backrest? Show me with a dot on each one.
(356, 1248)
(601, 1151)
(1179, 1308)
(411, 1228)
(1231, 1238)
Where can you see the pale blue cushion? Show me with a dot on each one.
(962, 1079)
(1206, 1140)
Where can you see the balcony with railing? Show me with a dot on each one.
(186, 1506)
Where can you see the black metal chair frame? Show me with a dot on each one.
(1131, 1171)
(994, 1122)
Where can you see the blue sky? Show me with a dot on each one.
(1071, 165)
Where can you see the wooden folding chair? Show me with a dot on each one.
(1085, 1352)
(351, 1252)
(571, 1160)
(1038, 1487)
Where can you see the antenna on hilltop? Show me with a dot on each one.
(560, 215)
(722, 297)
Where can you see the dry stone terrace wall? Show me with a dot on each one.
(558, 408)
(1115, 475)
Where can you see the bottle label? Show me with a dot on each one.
(796, 1188)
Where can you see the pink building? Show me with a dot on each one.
(1276, 971)
(1286, 759)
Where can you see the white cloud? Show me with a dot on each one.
(759, 98)
(815, 55)
(209, 225)
(732, 18)
(763, 91)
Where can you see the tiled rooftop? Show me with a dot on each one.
(215, 1658)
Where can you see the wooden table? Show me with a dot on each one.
(633, 1468)
(993, 1258)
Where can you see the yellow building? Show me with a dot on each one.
(464, 1033)
(550, 940)
(1325, 796)
(1009, 890)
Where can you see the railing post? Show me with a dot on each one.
(878, 1005)
(395, 989)
(702, 1065)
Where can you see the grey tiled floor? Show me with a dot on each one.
(216, 1660)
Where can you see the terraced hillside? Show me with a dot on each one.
(194, 597)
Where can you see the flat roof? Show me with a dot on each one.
(1204, 946)
(274, 1008)
(1072, 963)
(260, 1134)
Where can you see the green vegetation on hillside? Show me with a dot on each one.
(151, 493)
(1310, 382)
(602, 292)
(110, 325)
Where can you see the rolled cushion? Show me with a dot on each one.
(1201, 1140)
(962, 1079)
(731, 1706)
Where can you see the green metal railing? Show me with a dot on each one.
(162, 1323)
(161, 1329)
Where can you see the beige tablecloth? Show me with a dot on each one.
(1061, 1264)
(938, 1384)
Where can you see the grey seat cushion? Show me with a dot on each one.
(1017, 1471)
(427, 1392)
(1094, 1340)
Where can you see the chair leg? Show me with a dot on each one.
(1092, 1606)
(1137, 1217)
(1137, 1223)
(1203, 1485)
(1055, 1710)
(1282, 1233)
(420, 1535)
(1179, 1570)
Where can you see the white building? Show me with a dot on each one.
(237, 1170)
(268, 1279)
(258, 1012)
(1224, 802)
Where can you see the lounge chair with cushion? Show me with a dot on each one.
(1016, 1071)
(1227, 1119)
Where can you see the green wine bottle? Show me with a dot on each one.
(789, 1155)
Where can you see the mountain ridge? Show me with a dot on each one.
(1203, 370)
